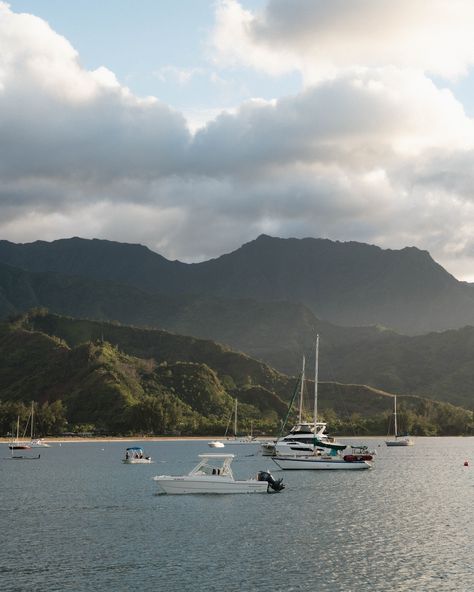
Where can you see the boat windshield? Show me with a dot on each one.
(302, 428)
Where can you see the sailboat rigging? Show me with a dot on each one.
(236, 440)
(35, 442)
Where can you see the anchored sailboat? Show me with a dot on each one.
(36, 442)
(399, 440)
(16, 444)
(236, 440)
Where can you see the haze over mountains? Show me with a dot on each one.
(267, 299)
(344, 283)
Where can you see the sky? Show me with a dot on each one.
(193, 126)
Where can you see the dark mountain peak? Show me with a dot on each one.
(347, 283)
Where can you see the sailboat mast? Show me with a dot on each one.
(235, 419)
(300, 414)
(316, 372)
(32, 412)
(395, 414)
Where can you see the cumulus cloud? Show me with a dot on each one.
(321, 38)
(376, 152)
(59, 120)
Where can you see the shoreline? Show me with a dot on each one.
(65, 439)
(78, 439)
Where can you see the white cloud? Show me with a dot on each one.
(321, 38)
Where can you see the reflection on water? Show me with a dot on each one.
(79, 520)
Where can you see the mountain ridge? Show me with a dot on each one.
(346, 283)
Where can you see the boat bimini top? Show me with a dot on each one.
(207, 467)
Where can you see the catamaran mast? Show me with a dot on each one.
(395, 414)
(300, 414)
(316, 371)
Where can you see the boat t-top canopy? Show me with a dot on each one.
(216, 455)
(136, 448)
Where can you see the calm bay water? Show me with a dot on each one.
(79, 520)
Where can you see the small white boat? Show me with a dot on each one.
(399, 440)
(215, 444)
(268, 448)
(39, 443)
(213, 474)
(135, 456)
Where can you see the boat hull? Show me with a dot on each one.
(315, 464)
(399, 443)
(137, 461)
(238, 442)
(189, 484)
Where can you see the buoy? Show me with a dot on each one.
(466, 463)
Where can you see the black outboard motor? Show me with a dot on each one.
(275, 484)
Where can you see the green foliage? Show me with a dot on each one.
(272, 320)
(50, 418)
(121, 380)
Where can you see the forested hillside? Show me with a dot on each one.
(115, 379)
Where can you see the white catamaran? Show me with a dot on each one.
(303, 436)
(325, 454)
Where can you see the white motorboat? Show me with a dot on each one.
(399, 440)
(135, 456)
(213, 474)
(216, 444)
(324, 454)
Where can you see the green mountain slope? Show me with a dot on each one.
(436, 365)
(128, 380)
